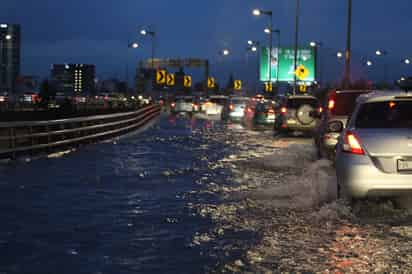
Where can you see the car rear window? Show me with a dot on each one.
(220, 101)
(239, 101)
(344, 103)
(297, 102)
(390, 114)
(264, 107)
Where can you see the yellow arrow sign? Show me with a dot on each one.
(211, 82)
(237, 84)
(302, 72)
(161, 77)
(187, 81)
(268, 87)
(170, 79)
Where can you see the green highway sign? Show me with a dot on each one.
(286, 56)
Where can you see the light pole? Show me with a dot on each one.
(254, 46)
(152, 34)
(348, 52)
(130, 45)
(296, 44)
(382, 53)
(4, 37)
(317, 45)
(258, 12)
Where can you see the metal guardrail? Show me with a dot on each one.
(32, 136)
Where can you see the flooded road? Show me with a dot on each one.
(118, 207)
(192, 196)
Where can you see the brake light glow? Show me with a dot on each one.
(231, 107)
(331, 104)
(194, 105)
(392, 104)
(283, 110)
(172, 105)
(352, 144)
(320, 109)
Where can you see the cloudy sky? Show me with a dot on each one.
(91, 31)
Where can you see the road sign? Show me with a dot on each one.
(303, 88)
(211, 82)
(161, 77)
(237, 84)
(282, 67)
(302, 72)
(187, 81)
(268, 87)
(170, 79)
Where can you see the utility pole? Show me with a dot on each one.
(296, 45)
(348, 53)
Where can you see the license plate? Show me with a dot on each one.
(404, 165)
(291, 122)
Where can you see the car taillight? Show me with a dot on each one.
(283, 110)
(249, 110)
(194, 105)
(231, 107)
(172, 105)
(320, 109)
(352, 144)
(331, 104)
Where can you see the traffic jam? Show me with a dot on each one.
(326, 182)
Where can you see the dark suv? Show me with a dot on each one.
(295, 114)
(339, 106)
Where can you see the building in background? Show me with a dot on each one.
(10, 44)
(74, 79)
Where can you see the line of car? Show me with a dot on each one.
(367, 134)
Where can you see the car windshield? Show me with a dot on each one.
(344, 103)
(388, 114)
(297, 102)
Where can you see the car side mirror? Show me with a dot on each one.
(335, 126)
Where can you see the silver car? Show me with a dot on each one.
(374, 152)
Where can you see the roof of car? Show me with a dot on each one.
(301, 96)
(384, 95)
(352, 91)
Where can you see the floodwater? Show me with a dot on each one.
(117, 207)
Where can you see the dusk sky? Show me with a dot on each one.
(89, 31)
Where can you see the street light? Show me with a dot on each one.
(406, 61)
(130, 45)
(134, 45)
(316, 45)
(8, 37)
(225, 52)
(339, 54)
(152, 34)
(253, 48)
(369, 63)
(382, 53)
(258, 12)
(250, 42)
